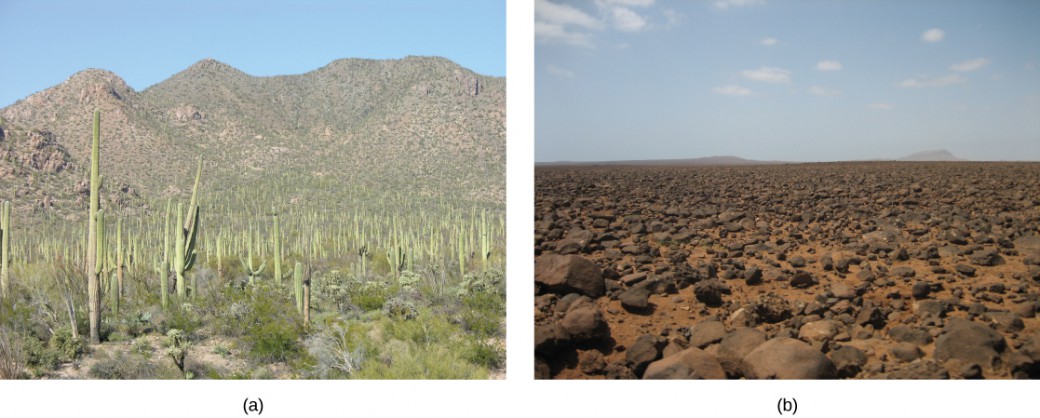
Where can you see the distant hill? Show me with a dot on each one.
(703, 161)
(422, 125)
(931, 155)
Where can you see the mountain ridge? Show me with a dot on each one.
(418, 124)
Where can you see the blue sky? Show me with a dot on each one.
(145, 42)
(786, 80)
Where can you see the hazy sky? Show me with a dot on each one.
(46, 41)
(786, 80)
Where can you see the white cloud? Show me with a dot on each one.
(627, 20)
(823, 91)
(672, 18)
(921, 82)
(970, 65)
(732, 90)
(562, 14)
(880, 106)
(627, 3)
(768, 75)
(933, 35)
(767, 42)
(551, 32)
(828, 66)
(561, 72)
(726, 4)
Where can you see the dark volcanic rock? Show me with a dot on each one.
(965, 269)
(705, 333)
(644, 351)
(772, 309)
(584, 322)
(591, 362)
(787, 358)
(735, 346)
(906, 334)
(635, 299)
(969, 341)
(920, 290)
(848, 360)
(710, 292)
(903, 271)
(802, 279)
(563, 274)
(989, 257)
(691, 363)
(905, 352)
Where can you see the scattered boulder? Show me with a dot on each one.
(705, 333)
(787, 358)
(969, 341)
(735, 346)
(584, 322)
(644, 351)
(563, 274)
(848, 361)
(802, 279)
(691, 363)
(710, 292)
(635, 299)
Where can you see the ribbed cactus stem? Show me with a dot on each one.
(220, 259)
(119, 255)
(248, 266)
(163, 267)
(298, 285)
(93, 261)
(307, 302)
(178, 257)
(277, 251)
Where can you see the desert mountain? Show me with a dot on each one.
(931, 155)
(422, 125)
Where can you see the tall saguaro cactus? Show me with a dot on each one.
(5, 247)
(278, 253)
(298, 285)
(162, 266)
(187, 232)
(94, 262)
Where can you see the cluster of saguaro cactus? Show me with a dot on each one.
(5, 247)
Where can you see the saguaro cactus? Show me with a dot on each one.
(278, 253)
(253, 273)
(5, 247)
(94, 262)
(298, 285)
(162, 266)
(184, 248)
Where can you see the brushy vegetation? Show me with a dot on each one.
(349, 284)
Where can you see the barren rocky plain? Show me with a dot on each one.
(864, 270)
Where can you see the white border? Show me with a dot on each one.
(519, 395)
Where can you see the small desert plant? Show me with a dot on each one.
(178, 348)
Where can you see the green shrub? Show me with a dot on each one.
(65, 346)
(483, 314)
(273, 329)
(123, 367)
(483, 354)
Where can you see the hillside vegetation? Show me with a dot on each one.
(350, 224)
